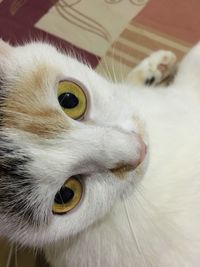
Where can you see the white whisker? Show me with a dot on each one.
(9, 256)
(134, 234)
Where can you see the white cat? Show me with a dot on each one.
(76, 188)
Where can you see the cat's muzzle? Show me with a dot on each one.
(71, 192)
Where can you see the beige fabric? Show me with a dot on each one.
(91, 25)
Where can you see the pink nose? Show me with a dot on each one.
(122, 168)
(143, 150)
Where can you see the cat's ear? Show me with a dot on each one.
(5, 49)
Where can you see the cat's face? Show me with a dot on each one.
(60, 120)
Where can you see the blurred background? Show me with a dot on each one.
(112, 36)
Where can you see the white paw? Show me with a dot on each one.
(154, 69)
(158, 66)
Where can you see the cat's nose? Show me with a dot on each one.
(143, 150)
(107, 148)
(137, 158)
(133, 155)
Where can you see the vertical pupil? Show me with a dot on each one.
(68, 100)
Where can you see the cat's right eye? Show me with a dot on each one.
(72, 99)
(68, 197)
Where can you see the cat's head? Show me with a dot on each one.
(67, 143)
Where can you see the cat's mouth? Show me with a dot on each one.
(121, 171)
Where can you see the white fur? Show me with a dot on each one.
(155, 216)
(158, 224)
(86, 147)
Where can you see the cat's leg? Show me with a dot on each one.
(154, 69)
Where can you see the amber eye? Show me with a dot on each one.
(68, 196)
(72, 99)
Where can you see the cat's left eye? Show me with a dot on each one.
(72, 99)
(68, 197)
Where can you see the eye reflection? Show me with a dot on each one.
(68, 100)
(64, 195)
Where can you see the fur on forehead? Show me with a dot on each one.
(39, 52)
(31, 100)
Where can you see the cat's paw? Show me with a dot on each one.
(159, 66)
(154, 69)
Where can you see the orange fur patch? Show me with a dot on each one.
(27, 105)
(121, 170)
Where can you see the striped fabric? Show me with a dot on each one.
(134, 44)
